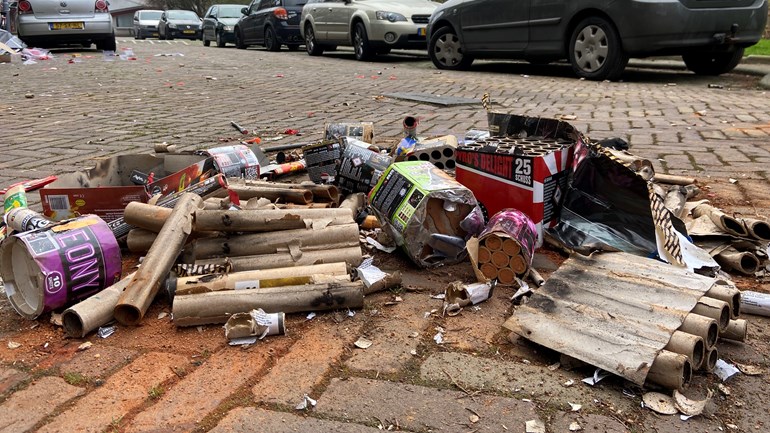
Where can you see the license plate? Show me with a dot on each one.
(188, 32)
(421, 31)
(67, 26)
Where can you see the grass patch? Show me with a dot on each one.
(156, 392)
(75, 379)
(762, 48)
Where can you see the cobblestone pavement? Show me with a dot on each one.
(62, 114)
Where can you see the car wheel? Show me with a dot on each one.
(713, 63)
(169, 36)
(361, 45)
(312, 47)
(239, 40)
(595, 50)
(161, 35)
(107, 44)
(293, 47)
(206, 42)
(138, 35)
(271, 41)
(446, 51)
(221, 40)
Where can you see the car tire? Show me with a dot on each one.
(161, 35)
(713, 63)
(361, 44)
(106, 44)
(206, 42)
(221, 40)
(138, 35)
(239, 40)
(596, 51)
(311, 45)
(169, 37)
(271, 40)
(446, 51)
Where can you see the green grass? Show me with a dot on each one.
(760, 49)
(156, 392)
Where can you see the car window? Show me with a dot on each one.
(212, 12)
(264, 4)
(290, 3)
(150, 15)
(182, 15)
(230, 11)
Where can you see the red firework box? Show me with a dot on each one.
(523, 165)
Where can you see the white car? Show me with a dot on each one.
(372, 27)
(47, 23)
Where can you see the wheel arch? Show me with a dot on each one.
(439, 24)
(358, 17)
(580, 16)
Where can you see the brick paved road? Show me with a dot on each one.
(57, 116)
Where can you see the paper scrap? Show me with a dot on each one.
(724, 370)
(598, 376)
(535, 426)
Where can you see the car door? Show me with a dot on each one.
(247, 23)
(320, 11)
(260, 18)
(338, 21)
(507, 29)
(548, 20)
(210, 23)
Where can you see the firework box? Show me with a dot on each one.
(110, 185)
(526, 167)
(321, 160)
(363, 131)
(428, 213)
(440, 151)
(360, 168)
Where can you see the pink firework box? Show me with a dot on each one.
(526, 167)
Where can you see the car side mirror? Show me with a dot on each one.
(244, 11)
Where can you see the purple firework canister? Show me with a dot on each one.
(516, 225)
(58, 265)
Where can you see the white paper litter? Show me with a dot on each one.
(535, 426)
(598, 376)
(724, 371)
(379, 246)
(575, 407)
(242, 341)
(306, 402)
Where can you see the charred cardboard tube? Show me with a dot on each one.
(91, 313)
(535, 277)
(141, 290)
(321, 193)
(727, 293)
(710, 361)
(736, 330)
(250, 279)
(354, 202)
(725, 222)
(287, 195)
(410, 126)
(744, 262)
(349, 255)
(332, 237)
(688, 344)
(715, 309)
(704, 327)
(670, 370)
(757, 229)
(270, 220)
(217, 307)
(672, 179)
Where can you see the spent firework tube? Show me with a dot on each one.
(514, 224)
(755, 303)
(58, 265)
(22, 219)
(14, 197)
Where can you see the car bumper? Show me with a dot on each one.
(229, 36)
(148, 30)
(290, 35)
(92, 29)
(403, 35)
(671, 28)
(181, 34)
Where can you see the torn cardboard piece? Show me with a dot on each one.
(459, 295)
(255, 323)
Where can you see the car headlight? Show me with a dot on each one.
(228, 28)
(390, 16)
(172, 26)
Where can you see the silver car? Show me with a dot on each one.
(372, 27)
(597, 37)
(47, 23)
(146, 23)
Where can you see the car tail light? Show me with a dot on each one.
(281, 14)
(24, 7)
(101, 6)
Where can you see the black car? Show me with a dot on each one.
(271, 23)
(218, 24)
(179, 24)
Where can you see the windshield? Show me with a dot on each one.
(150, 15)
(230, 11)
(182, 15)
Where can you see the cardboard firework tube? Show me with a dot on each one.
(672, 179)
(704, 327)
(755, 303)
(506, 276)
(493, 242)
(715, 309)
(743, 262)
(354, 202)
(331, 237)
(511, 247)
(729, 294)
(725, 222)
(350, 255)
(736, 330)
(22, 219)
(757, 229)
(410, 126)
(140, 240)
(91, 313)
(321, 193)
(290, 195)
(688, 344)
(535, 276)
(500, 259)
(146, 216)
(489, 270)
(710, 361)
(485, 256)
(251, 279)
(269, 220)
(519, 265)
(217, 307)
(670, 370)
(303, 206)
(141, 290)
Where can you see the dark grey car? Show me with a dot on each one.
(271, 23)
(597, 37)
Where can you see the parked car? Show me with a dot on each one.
(372, 27)
(146, 23)
(271, 23)
(46, 23)
(218, 24)
(177, 23)
(596, 37)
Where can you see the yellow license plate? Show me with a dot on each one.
(421, 31)
(67, 26)
(188, 32)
